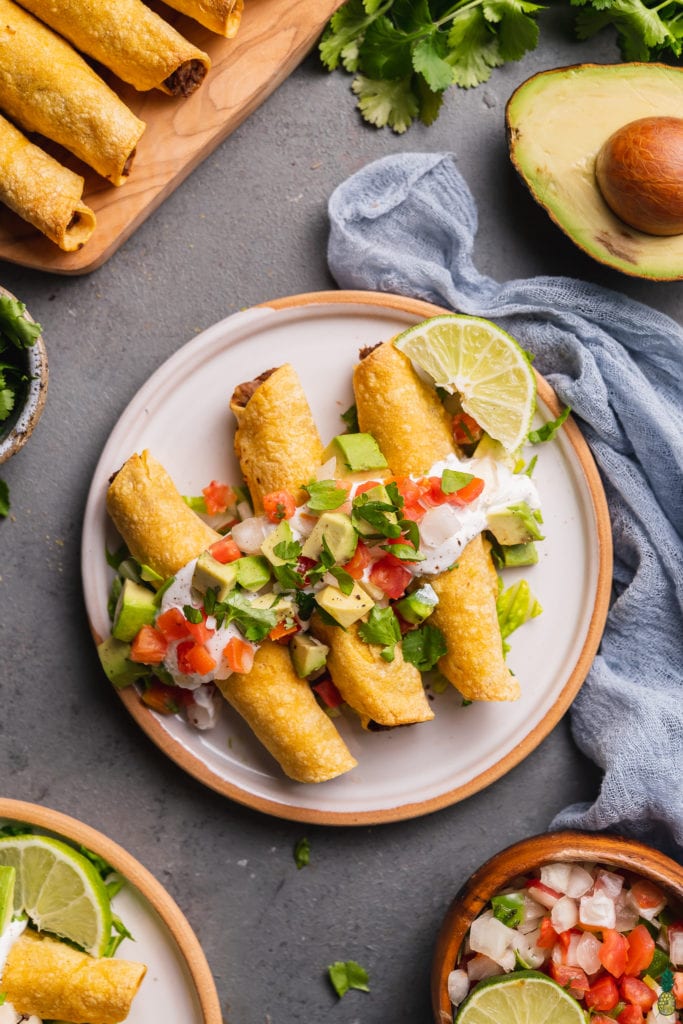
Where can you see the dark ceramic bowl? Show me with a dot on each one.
(521, 859)
(15, 432)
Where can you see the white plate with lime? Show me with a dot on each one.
(182, 416)
(63, 895)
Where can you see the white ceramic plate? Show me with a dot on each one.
(178, 985)
(182, 415)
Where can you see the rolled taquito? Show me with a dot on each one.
(278, 446)
(221, 16)
(408, 421)
(283, 713)
(129, 39)
(43, 192)
(46, 87)
(56, 982)
(159, 529)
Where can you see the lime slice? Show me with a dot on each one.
(59, 889)
(524, 997)
(7, 881)
(483, 365)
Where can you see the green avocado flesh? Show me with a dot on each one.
(557, 123)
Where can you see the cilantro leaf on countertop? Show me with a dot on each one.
(346, 974)
(302, 853)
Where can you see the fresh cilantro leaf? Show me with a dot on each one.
(288, 577)
(642, 31)
(517, 30)
(381, 628)
(424, 646)
(381, 515)
(429, 59)
(453, 481)
(406, 552)
(210, 600)
(302, 853)
(288, 550)
(345, 29)
(386, 103)
(412, 531)
(548, 431)
(4, 500)
(197, 503)
(430, 102)
(255, 623)
(6, 403)
(14, 325)
(385, 51)
(192, 614)
(114, 558)
(325, 496)
(350, 418)
(305, 603)
(412, 16)
(474, 48)
(394, 495)
(343, 579)
(347, 974)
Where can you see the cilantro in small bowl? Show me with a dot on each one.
(23, 374)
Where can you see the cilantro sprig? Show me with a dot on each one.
(406, 53)
(17, 333)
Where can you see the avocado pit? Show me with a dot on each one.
(639, 171)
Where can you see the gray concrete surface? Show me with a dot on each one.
(249, 225)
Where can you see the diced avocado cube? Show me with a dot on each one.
(356, 452)
(308, 655)
(380, 494)
(116, 664)
(513, 524)
(8, 877)
(345, 608)
(253, 572)
(518, 554)
(282, 534)
(284, 607)
(210, 574)
(339, 534)
(135, 608)
(418, 606)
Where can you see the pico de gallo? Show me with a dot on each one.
(611, 938)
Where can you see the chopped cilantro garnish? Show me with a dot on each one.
(452, 481)
(193, 615)
(548, 431)
(288, 550)
(350, 418)
(255, 623)
(424, 646)
(287, 576)
(381, 628)
(379, 514)
(302, 853)
(410, 528)
(343, 579)
(114, 594)
(395, 495)
(305, 603)
(346, 974)
(162, 590)
(114, 558)
(325, 495)
(406, 552)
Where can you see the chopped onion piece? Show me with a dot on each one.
(244, 510)
(250, 534)
(438, 525)
(626, 914)
(676, 947)
(533, 910)
(491, 937)
(564, 915)
(508, 960)
(587, 953)
(480, 967)
(556, 876)
(458, 986)
(580, 881)
(597, 911)
(609, 883)
(571, 955)
(528, 951)
(328, 470)
(544, 895)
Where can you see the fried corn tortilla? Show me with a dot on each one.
(50, 979)
(282, 711)
(46, 87)
(129, 39)
(412, 428)
(43, 192)
(159, 529)
(221, 16)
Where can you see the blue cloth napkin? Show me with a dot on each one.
(407, 224)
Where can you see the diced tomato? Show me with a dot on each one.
(239, 655)
(173, 624)
(225, 550)
(466, 494)
(635, 991)
(279, 505)
(646, 894)
(603, 994)
(282, 632)
(218, 497)
(434, 496)
(149, 646)
(548, 936)
(641, 947)
(390, 576)
(613, 953)
(572, 978)
(678, 989)
(199, 631)
(600, 1019)
(367, 485)
(629, 1015)
(412, 490)
(361, 559)
(328, 692)
(414, 512)
(162, 698)
(466, 430)
(194, 659)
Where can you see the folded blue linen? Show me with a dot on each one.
(407, 224)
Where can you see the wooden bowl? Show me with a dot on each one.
(15, 432)
(521, 859)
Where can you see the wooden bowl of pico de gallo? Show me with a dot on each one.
(600, 915)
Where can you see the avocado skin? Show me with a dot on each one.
(611, 242)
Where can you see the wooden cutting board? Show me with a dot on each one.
(273, 38)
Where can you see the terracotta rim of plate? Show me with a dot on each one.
(36, 395)
(195, 767)
(519, 859)
(138, 876)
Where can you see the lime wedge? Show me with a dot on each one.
(483, 365)
(523, 997)
(7, 881)
(59, 889)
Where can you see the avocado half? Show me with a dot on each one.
(557, 122)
